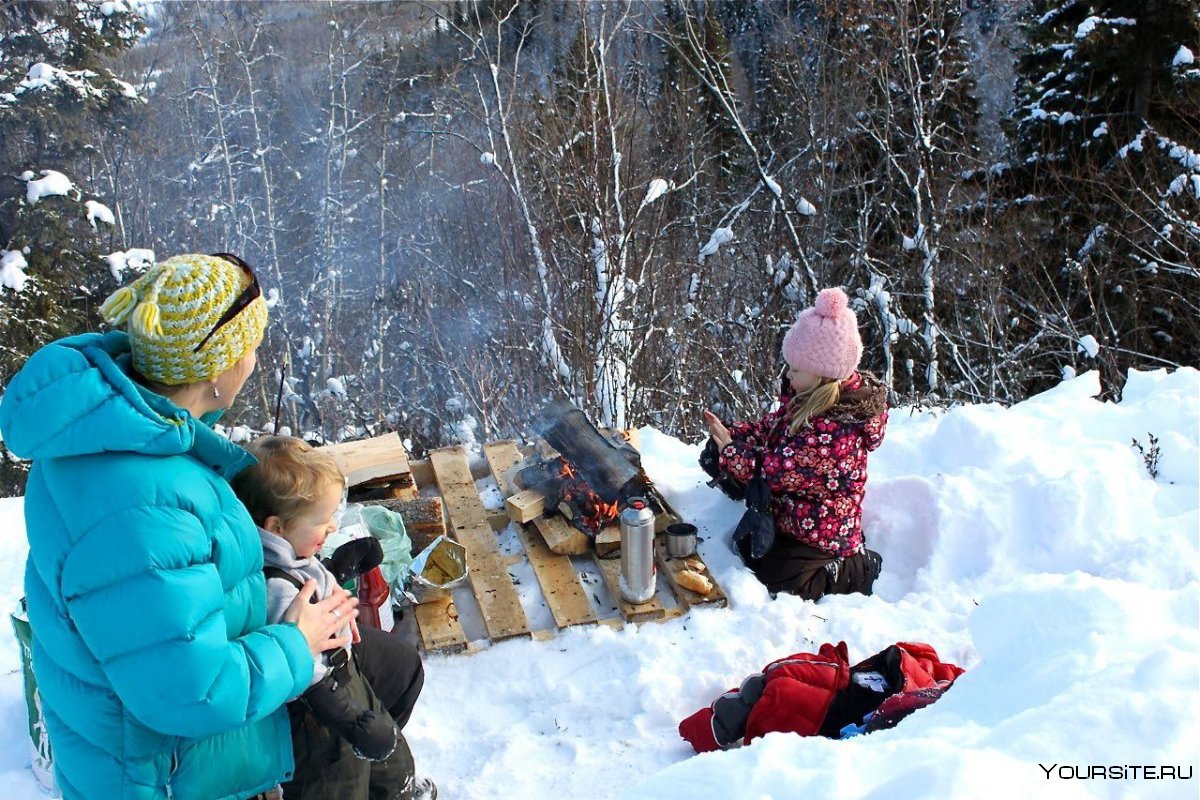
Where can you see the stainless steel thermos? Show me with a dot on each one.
(637, 551)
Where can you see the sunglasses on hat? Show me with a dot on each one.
(248, 296)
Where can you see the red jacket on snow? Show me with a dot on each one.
(811, 694)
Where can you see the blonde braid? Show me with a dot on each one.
(817, 400)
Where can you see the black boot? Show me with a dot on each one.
(874, 567)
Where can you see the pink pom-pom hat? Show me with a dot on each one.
(824, 339)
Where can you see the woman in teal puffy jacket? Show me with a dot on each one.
(158, 674)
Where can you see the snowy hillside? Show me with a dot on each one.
(1030, 545)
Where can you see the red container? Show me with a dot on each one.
(375, 601)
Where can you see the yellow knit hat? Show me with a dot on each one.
(173, 306)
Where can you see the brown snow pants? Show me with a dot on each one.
(793, 567)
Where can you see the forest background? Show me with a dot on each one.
(460, 210)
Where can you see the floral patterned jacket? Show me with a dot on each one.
(818, 476)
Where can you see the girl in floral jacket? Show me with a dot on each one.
(812, 452)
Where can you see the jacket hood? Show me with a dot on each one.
(863, 397)
(861, 400)
(278, 552)
(75, 397)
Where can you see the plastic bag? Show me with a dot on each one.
(388, 527)
(41, 758)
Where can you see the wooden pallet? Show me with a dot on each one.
(556, 574)
(448, 472)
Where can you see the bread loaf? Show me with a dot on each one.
(694, 581)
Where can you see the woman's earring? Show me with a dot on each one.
(216, 391)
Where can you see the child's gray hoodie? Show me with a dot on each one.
(278, 552)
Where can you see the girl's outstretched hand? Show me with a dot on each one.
(717, 429)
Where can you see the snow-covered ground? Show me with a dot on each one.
(1029, 545)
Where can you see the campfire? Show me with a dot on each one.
(593, 477)
(576, 501)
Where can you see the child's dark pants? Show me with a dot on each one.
(795, 568)
(393, 668)
(387, 674)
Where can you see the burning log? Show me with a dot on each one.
(590, 478)
(586, 509)
(606, 468)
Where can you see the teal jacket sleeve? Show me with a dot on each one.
(146, 598)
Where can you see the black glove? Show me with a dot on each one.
(354, 558)
(710, 462)
(372, 734)
(758, 523)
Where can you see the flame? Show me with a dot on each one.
(592, 513)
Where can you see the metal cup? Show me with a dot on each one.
(681, 539)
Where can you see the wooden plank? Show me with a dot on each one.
(562, 537)
(437, 622)
(525, 505)
(610, 569)
(501, 457)
(556, 574)
(422, 473)
(490, 581)
(608, 540)
(560, 584)
(668, 568)
(371, 460)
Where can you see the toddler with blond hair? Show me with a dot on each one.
(294, 494)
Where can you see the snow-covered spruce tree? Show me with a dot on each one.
(56, 98)
(1106, 131)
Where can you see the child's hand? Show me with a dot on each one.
(717, 429)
